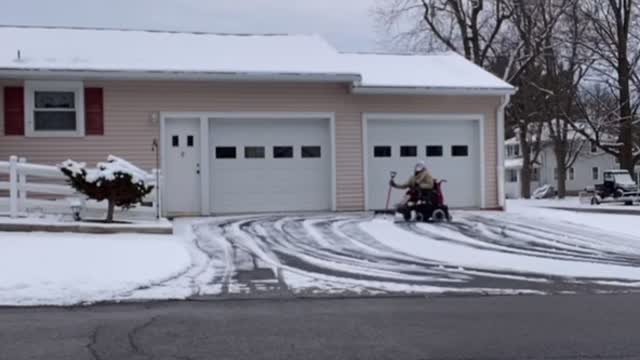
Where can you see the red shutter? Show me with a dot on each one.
(14, 111)
(94, 111)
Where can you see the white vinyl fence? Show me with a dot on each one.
(42, 189)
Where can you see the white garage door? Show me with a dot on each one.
(260, 165)
(450, 148)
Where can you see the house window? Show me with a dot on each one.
(512, 175)
(513, 150)
(381, 151)
(434, 151)
(408, 151)
(54, 108)
(594, 147)
(595, 173)
(570, 174)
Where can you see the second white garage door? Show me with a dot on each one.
(450, 148)
(262, 165)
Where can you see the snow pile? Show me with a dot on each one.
(65, 269)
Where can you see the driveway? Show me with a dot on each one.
(363, 255)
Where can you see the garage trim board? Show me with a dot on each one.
(205, 155)
(480, 118)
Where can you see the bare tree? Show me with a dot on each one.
(565, 67)
(526, 118)
(613, 38)
(504, 36)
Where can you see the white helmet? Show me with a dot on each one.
(420, 165)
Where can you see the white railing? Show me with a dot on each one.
(51, 195)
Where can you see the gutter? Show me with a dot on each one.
(500, 144)
(45, 74)
(406, 90)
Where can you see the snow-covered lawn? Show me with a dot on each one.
(572, 202)
(543, 209)
(63, 268)
(528, 249)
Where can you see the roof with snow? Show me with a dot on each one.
(40, 51)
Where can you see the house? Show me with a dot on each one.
(251, 123)
(585, 171)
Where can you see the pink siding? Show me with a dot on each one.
(129, 131)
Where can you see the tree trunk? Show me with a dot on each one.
(560, 151)
(110, 208)
(562, 181)
(525, 172)
(525, 182)
(624, 79)
(626, 127)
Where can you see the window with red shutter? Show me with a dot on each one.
(54, 108)
(14, 111)
(94, 111)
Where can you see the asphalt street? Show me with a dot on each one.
(512, 327)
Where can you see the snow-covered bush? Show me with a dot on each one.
(116, 180)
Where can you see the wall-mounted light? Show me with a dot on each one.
(154, 117)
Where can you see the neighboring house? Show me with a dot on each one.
(585, 172)
(250, 123)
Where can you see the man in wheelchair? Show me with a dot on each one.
(420, 185)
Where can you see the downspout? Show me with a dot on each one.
(500, 142)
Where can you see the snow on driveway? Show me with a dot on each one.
(483, 252)
(65, 269)
(524, 250)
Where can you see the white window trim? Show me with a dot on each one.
(30, 87)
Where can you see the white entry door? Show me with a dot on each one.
(263, 165)
(450, 148)
(182, 166)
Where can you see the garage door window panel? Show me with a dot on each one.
(283, 152)
(434, 151)
(225, 152)
(382, 151)
(408, 151)
(311, 152)
(175, 140)
(254, 152)
(190, 140)
(459, 151)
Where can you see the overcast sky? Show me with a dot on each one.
(347, 24)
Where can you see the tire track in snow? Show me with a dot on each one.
(333, 249)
